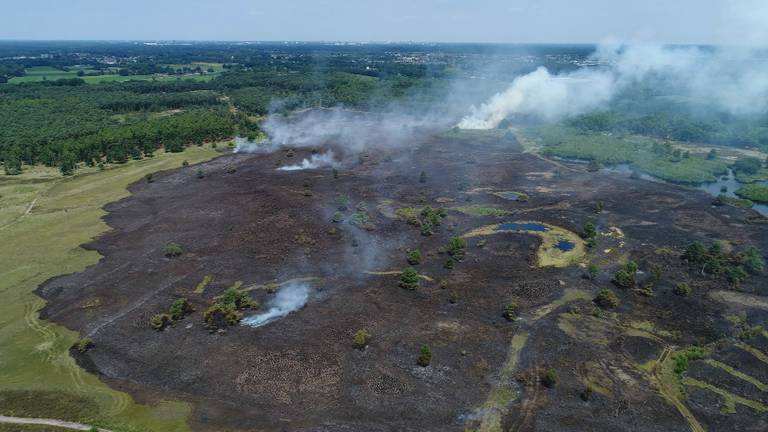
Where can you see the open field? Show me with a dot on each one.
(44, 218)
(42, 73)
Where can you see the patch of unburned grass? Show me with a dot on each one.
(398, 272)
(45, 243)
(548, 254)
(503, 394)
(569, 295)
(478, 210)
(200, 288)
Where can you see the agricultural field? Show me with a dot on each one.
(43, 73)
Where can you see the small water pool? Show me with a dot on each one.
(565, 245)
(530, 226)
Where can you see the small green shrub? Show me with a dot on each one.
(84, 344)
(200, 173)
(449, 264)
(625, 277)
(606, 299)
(360, 339)
(457, 248)
(592, 271)
(185, 163)
(549, 379)
(338, 217)
(682, 289)
(414, 257)
(180, 308)
(172, 250)
(586, 394)
(425, 356)
(160, 321)
(409, 279)
(510, 312)
(589, 231)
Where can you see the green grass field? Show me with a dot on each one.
(44, 218)
(756, 193)
(42, 73)
(634, 150)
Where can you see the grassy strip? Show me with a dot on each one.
(729, 399)
(755, 193)
(738, 374)
(43, 243)
(478, 210)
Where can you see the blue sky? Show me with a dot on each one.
(514, 21)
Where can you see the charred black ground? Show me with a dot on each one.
(239, 219)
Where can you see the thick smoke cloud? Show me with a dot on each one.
(727, 79)
(732, 78)
(353, 131)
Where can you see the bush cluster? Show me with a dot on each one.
(173, 250)
(409, 279)
(625, 276)
(180, 308)
(716, 260)
(425, 356)
(606, 299)
(360, 339)
(457, 247)
(227, 307)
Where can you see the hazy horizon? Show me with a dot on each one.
(702, 22)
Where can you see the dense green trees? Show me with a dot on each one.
(719, 260)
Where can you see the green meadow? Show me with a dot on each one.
(44, 218)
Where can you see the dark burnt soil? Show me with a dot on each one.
(246, 221)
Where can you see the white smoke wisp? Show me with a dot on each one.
(288, 299)
(316, 161)
(243, 145)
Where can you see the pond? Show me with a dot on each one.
(565, 245)
(726, 185)
(525, 226)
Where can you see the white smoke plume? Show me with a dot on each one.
(354, 131)
(288, 299)
(316, 161)
(731, 78)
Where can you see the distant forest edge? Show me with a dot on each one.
(68, 103)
